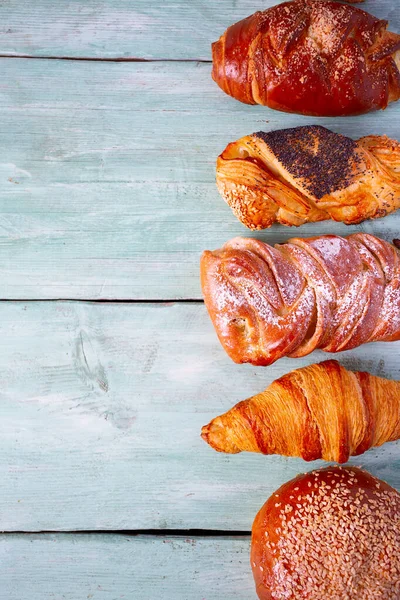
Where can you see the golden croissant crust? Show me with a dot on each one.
(326, 292)
(310, 57)
(306, 174)
(320, 411)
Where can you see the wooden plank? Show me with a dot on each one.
(101, 410)
(110, 567)
(131, 28)
(108, 175)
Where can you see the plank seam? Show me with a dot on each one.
(108, 300)
(110, 60)
(193, 533)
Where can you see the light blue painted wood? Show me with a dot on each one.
(100, 417)
(113, 567)
(108, 191)
(172, 29)
(108, 177)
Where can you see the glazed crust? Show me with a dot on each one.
(320, 411)
(327, 292)
(332, 533)
(307, 174)
(311, 57)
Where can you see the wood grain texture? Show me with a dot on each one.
(111, 567)
(108, 177)
(100, 417)
(107, 191)
(110, 29)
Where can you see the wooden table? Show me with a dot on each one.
(109, 365)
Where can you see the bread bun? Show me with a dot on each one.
(332, 533)
(310, 57)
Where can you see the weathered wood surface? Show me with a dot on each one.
(107, 191)
(108, 176)
(111, 567)
(100, 415)
(178, 29)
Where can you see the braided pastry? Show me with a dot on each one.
(306, 174)
(310, 57)
(320, 411)
(326, 292)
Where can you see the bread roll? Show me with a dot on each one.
(329, 534)
(310, 57)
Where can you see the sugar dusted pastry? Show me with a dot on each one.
(327, 292)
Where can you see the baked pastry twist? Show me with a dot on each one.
(326, 292)
(329, 534)
(296, 176)
(320, 411)
(310, 57)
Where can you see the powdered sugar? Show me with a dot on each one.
(340, 305)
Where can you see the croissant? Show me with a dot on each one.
(295, 176)
(326, 292)
(320, 411)
(310, 57)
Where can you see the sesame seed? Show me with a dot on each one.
(339, 546)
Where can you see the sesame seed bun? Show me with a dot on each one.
(332, 533)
